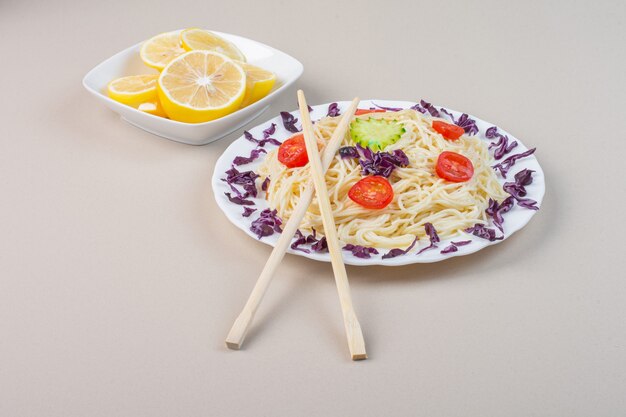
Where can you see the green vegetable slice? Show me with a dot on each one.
(376, 134)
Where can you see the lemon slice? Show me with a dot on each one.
(259, 83)
(200, 86)
(158, 51)
(199, 39)
(134, 89)
(152, 107)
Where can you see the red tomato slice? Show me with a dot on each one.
(359, 112)
(372, 192)
(292, 152)
(447, 130)
(454, 167)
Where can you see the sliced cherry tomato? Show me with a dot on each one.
(292, 152)
(447, 130)
(359, 112)
(454, 167)
(372, 192)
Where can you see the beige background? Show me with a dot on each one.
(120, 277)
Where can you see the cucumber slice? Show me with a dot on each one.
(375, 134)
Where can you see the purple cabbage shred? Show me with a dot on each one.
(454, 246)
(266, 137)
(348, 152)
(506, 165)
(247, 211)
(241, 200)
(480, 230)
(432, 235)
(317, 245)
(398, 252)
(254, 154)
(265, 184)
(245, 179)
(424, 106)
(496, 210)
(517, 189)
(467, 123)
(502, 146)
(289, 121)
(375, 163)
(266, 224)
(333, 110)
(359, 251)
(388, 108)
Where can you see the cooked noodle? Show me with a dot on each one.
(420, 196)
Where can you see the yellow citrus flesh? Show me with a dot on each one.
(134, 89)
(198, 39)
(200, 86)
(158, 51)
(152, 107)
(259, 83)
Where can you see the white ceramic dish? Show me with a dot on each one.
(128, 62)
(514, 220)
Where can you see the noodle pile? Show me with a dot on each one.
(420, 196)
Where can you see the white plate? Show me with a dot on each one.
(128, 62)
(514, 219)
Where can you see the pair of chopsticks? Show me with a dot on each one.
(356, 343)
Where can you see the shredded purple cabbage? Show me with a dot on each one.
(480, 230)
(266, 224)
(245, 179)
(502, 146)
(388, 108)
(506, 165)
(302, 240)
(254, 154)
(491, 132)
(454, 246)
(289, 121)
(467, 123)
(517, 189)
(496, 210)
(269, 131)
(265, 184)
(333, 110)
(359, 251)
(375, 163)
(449, 249)
(432, 235)
(241, 200)
(320, 246)
(247, 211)
(317, 245)
(266, 137)
(348, 152)
(424, 106)
(524, 177)
(398, 252)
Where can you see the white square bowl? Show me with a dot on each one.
(128, 62)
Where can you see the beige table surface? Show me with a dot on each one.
(119, 276)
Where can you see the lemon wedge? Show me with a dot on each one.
(200, 86)
(198, 39)
(259, 83)
(158, 51)
(134, 90)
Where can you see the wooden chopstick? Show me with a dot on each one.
(351, 323)
(238, 332)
